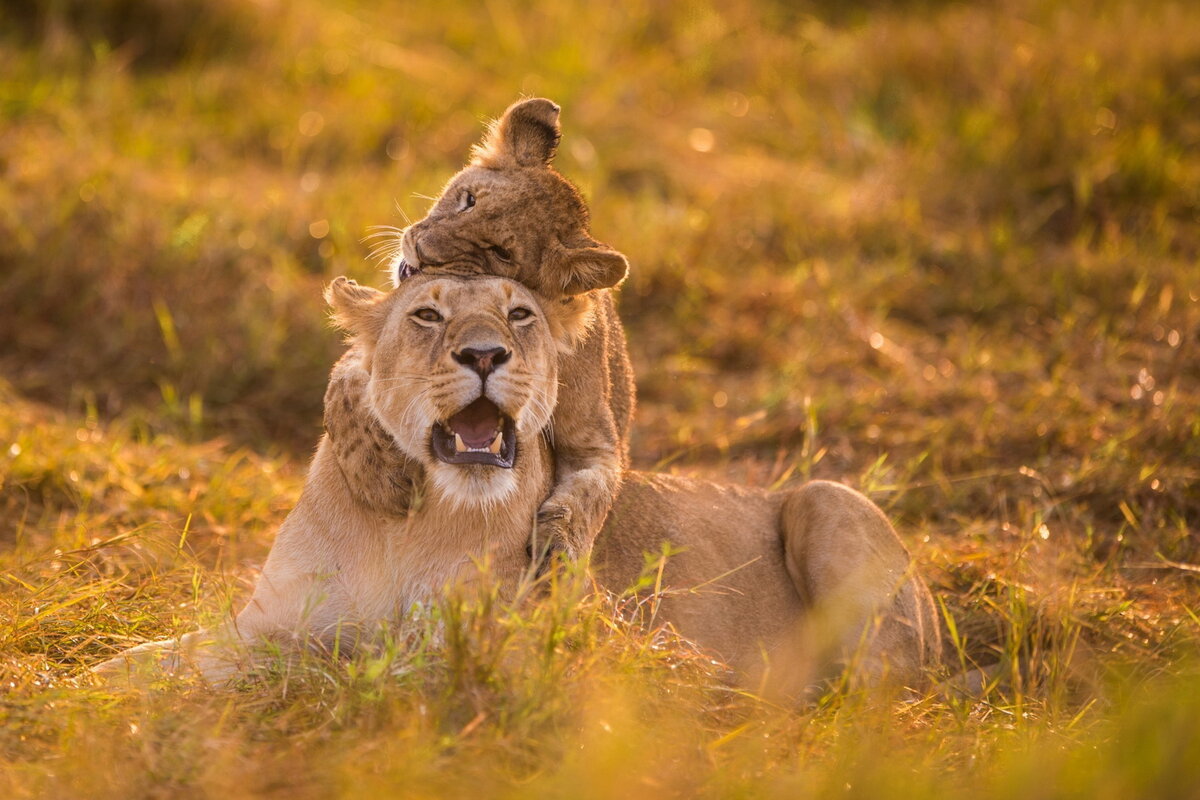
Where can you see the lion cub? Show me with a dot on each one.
(510, 213)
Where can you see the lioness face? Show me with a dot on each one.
(510, 213)
(463, 375)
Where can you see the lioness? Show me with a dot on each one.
(510, 213)
(463, 379)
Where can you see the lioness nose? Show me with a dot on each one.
(482, 361)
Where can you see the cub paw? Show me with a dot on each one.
(552, 539)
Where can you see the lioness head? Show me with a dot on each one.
(510, 213)
(463, 374)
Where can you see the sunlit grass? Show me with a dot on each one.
(572, 692)
(943, 252)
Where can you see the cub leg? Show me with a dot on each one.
(585, 486)
(866, 605)
(589, 451)
(383, 478)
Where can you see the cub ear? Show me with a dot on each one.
(587, 265)
(526, 136)
(358, 310)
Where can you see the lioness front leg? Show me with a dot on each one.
(286, 610)
(215, 657)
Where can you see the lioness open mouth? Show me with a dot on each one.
(479, 434)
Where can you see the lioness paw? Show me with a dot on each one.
(184, 658)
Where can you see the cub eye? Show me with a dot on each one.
(501, 253)
(468, 201)
(519, 313)
(427, 315)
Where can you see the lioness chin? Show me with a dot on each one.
(463, 378)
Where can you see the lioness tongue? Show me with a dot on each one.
(477, 424)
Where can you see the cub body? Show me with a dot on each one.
(510, 213)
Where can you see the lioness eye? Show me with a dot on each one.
(468, 201)
(427, 315)
(501, 253)
(519, 313)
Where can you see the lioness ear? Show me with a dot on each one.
(358, 310)
(588, 265)
(526, 136)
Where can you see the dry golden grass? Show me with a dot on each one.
(946, 253)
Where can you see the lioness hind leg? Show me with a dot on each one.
(866, 608)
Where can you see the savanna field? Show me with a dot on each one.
(946, 253)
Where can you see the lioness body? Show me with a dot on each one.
(335, 566)
(509, 213)
(792, 583)
(779, 583)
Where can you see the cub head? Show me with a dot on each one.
(510, 213)
(463, 375)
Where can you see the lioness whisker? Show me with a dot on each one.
(414, 378)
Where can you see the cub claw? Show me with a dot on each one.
(551, 537)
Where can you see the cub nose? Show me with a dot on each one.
(483, 361)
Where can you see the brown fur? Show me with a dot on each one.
(782, 585)
(528, 223)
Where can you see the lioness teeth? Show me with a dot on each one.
(494, 448)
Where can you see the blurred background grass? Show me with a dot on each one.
(946, 252)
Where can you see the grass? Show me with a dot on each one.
(946, 253)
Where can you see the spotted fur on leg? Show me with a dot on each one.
(378, 474)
